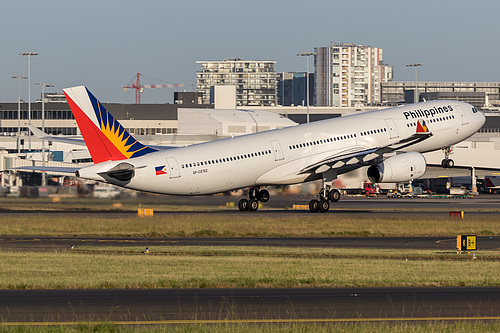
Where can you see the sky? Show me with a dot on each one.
(102, 44)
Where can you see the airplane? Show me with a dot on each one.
(390, 142)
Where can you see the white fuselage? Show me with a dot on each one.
(276, 157)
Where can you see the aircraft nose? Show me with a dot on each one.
(481, 119)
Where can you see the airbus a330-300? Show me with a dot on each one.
(389, 142)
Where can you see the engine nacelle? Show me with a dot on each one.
(119, 174)
(399, 168)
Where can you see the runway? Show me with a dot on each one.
(483, 205)
(164, 306)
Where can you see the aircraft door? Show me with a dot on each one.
(393, 130)
(463, 115)
(278, 152)
(173, 167)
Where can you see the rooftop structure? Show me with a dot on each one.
(229, 122)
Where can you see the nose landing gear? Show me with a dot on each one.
(447, 162)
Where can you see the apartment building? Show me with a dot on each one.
(349, 75)
(255, 81)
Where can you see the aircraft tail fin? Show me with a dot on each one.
(106, 138)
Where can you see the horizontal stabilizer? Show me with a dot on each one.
(47, 169)
(42, 135)
(80, 142)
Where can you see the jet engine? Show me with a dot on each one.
(399, 168)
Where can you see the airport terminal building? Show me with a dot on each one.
(482, 95)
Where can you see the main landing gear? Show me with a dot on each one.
(322, 205)
(255, 195)
(447, 162)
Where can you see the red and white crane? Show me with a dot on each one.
(139, 88)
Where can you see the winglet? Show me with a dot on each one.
(106, 138)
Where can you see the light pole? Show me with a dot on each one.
(18, 109)
(29, 54)
(416, 87)
(307, 54)
(48, 85)
(43, 118)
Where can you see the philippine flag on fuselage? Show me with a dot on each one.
(161, 170)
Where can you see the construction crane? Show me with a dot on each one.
(139, 88)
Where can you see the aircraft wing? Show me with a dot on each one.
(75, 141)
(362, 157)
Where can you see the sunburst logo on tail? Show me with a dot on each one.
(118, 136)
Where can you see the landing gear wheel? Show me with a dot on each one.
(314, 206)
(324, 206)
(243, 205)
(253, 205)
(447, 163)
(334, 195)
(255, 195)
(263, 195)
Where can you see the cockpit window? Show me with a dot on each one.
(474, 110)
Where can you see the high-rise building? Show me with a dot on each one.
(255, 81)
(292, 89)
(349, 75)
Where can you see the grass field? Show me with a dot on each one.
(246, 225)
(465, 327)
(242, 267)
